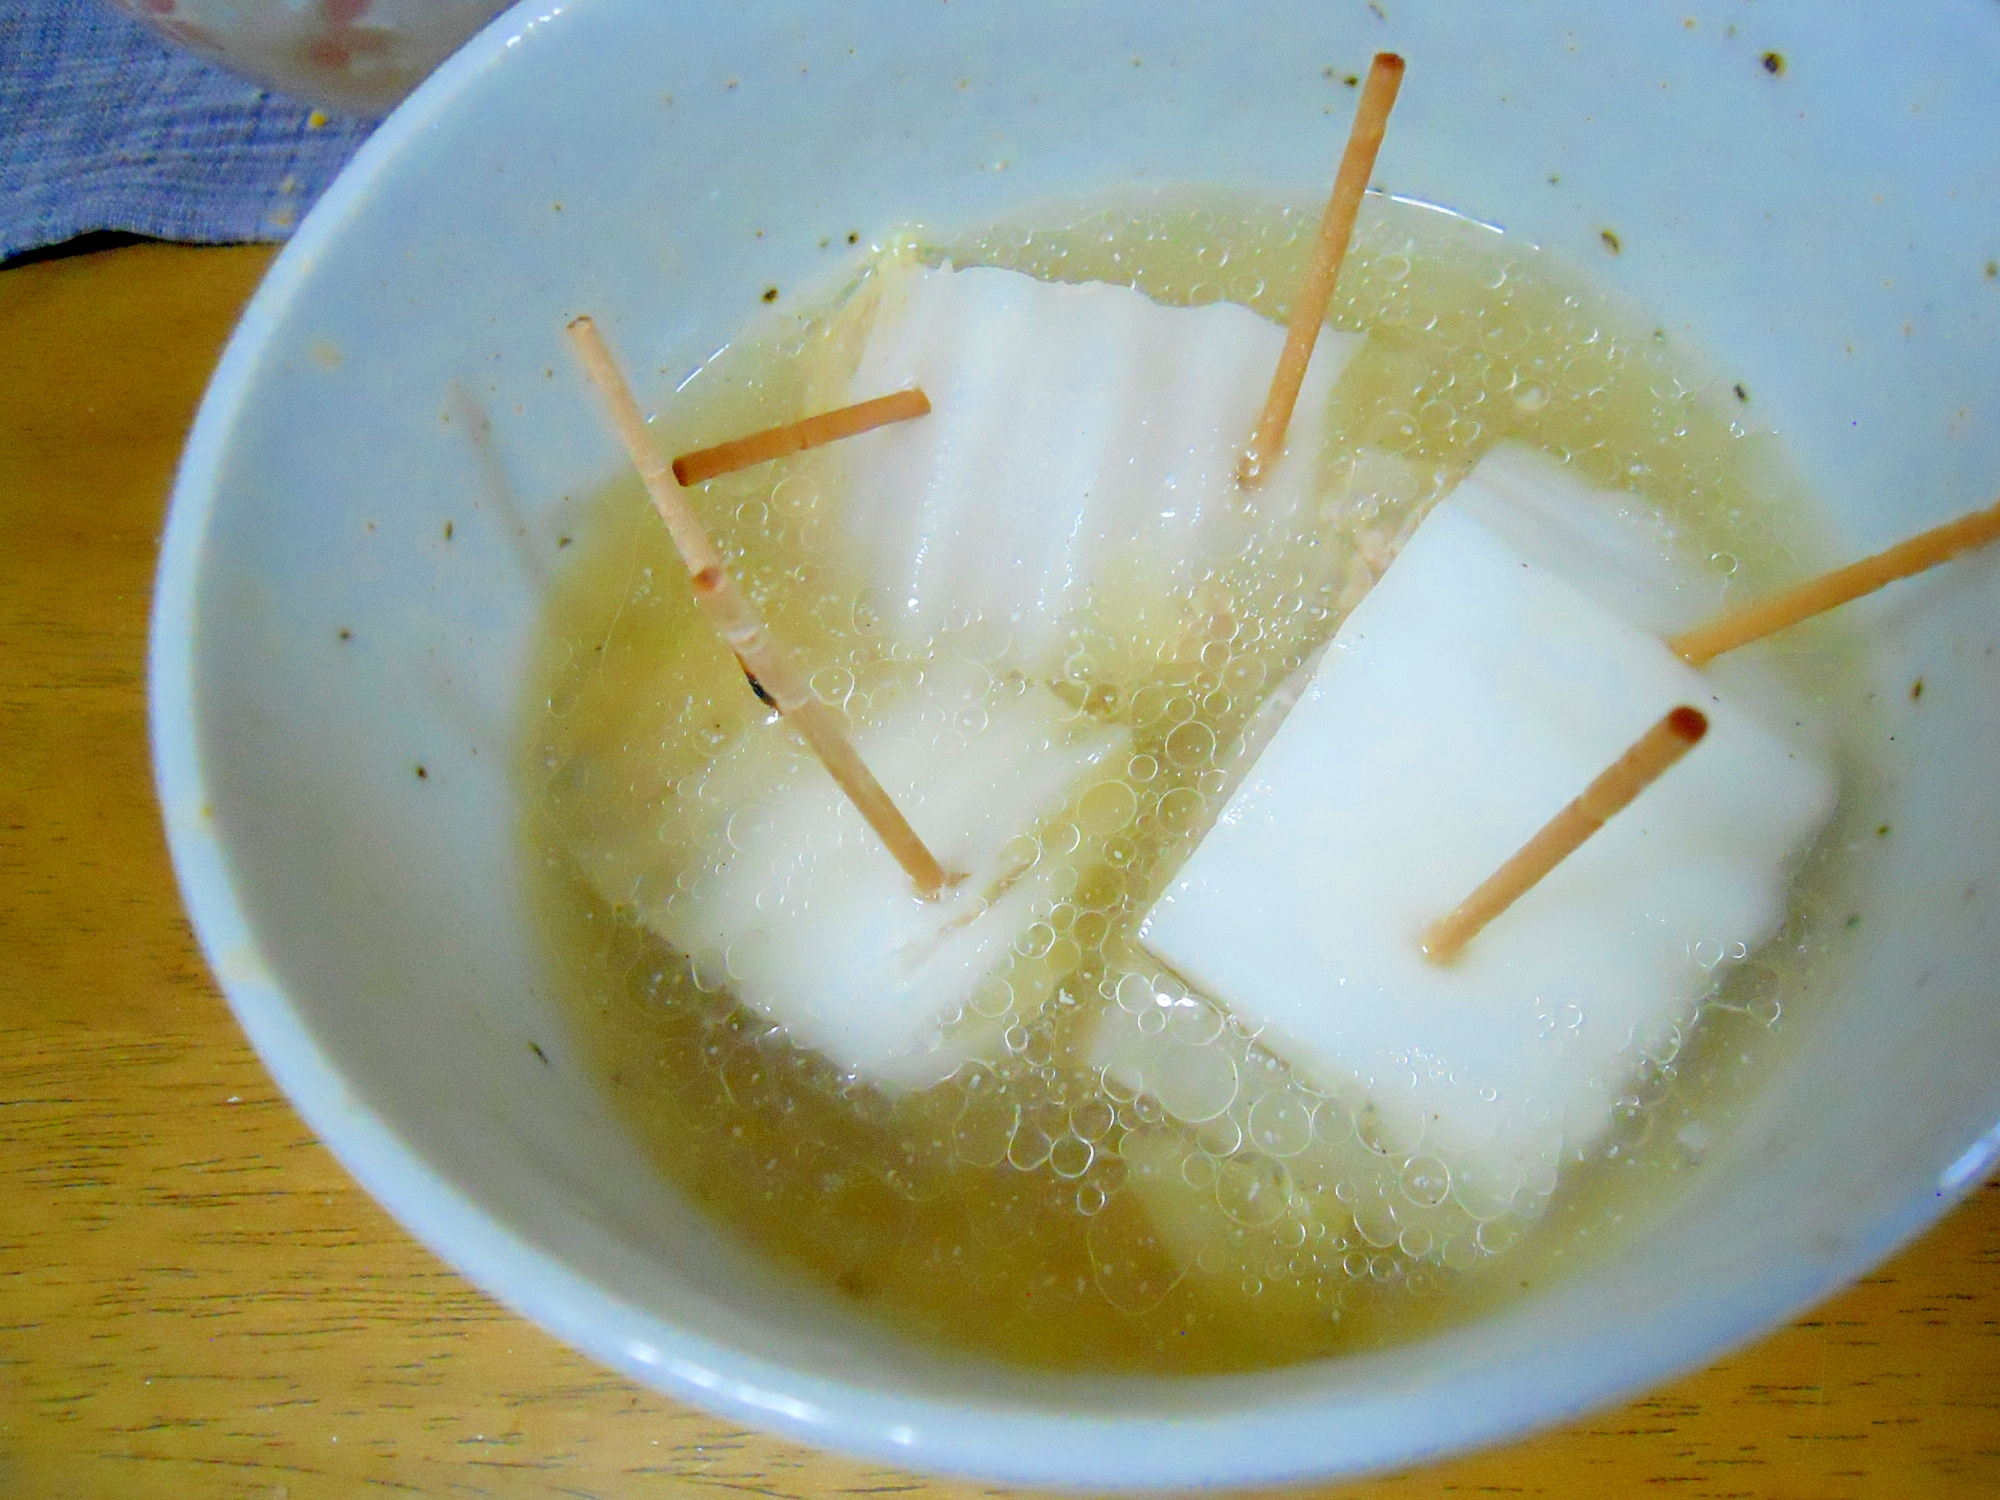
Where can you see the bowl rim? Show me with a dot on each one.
(1293, 1439)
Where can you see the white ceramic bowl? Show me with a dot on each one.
(1827, 231)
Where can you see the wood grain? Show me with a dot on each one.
(198, 1303)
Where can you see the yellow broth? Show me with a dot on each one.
(994, 1213)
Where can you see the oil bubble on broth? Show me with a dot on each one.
(1125, 1178)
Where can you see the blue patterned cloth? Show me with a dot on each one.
(103, 127)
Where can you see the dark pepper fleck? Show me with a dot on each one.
(1916, 689)
(423, 774)
(1610, 240)
(770, 294)
(536, 1048)
(346, 634)
(1774, 63)
(1741, 393)
(757, 687)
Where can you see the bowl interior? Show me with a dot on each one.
(372, 500)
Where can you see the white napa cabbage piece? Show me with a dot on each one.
(1509, 654)
(809, 920)
(1081, 448)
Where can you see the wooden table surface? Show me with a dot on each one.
(197, 1302)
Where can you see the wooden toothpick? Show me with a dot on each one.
(732, 615)
(1357, 162)
(690, 540)
(796, 437)
(1638, 768)
(1830, 590)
